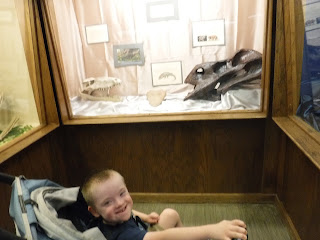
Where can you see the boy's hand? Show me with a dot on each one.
(152, 218)
(230, 229)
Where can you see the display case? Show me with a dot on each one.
(165, 60)
(293, 26)
(27, 105)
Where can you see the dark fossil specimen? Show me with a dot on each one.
(212, 79)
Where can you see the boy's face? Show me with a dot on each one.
(112, 200)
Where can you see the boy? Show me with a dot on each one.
(109, 201)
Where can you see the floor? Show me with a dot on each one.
(264, 221)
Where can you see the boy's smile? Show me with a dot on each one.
(112, 200)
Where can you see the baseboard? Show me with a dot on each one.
(287, 219)
(204, 197)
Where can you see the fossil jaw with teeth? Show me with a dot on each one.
(98, 89)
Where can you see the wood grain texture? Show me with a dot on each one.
(279, 102)
(274, 157)
(298, 174)
(309, 145)
(301, 192)
(203, 156)
(49, 102)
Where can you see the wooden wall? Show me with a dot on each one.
(176, 157)
(208, 156)
(287, 169)
(295, 179)
(201, 156)
(300, 192)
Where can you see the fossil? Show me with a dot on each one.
(156, 96)
(98, 89)
(211, 79)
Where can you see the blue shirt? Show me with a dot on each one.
(133, 229)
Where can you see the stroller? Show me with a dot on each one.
(44, 210)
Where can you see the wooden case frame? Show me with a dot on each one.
(287, 78)
(65, 107)
(41, 83)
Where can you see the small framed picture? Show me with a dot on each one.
(162, 10)
(206, 33)
(166, 73)
(128, 55)
(97, 33)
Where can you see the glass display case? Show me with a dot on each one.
(164, 60)
(309, 107)
(24, 114)
(296, 81)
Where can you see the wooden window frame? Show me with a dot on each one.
(65, 106)
(40, 79)
(287, 78)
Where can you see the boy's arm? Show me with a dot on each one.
(222, 230)
(151, 218)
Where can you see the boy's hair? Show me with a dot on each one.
(93, 179)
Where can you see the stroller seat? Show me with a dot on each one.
(44, 210)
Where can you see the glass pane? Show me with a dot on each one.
(167, 56)
(309, 108)
(18, 111)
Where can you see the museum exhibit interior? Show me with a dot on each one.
(211, 107)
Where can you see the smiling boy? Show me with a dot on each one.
(109, 201)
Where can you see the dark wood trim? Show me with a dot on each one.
(286, 218)
(301, 137)
(203, 197)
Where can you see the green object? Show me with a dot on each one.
(15, 132)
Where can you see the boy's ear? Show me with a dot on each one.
(93, 211)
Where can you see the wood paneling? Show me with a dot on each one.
(202, 156)
(294, 172)
(279, 82)
(274, 157)
(176, 157)
(301, 192)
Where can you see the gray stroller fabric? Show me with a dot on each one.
(34, 207)
(49, 200)
(21, 209)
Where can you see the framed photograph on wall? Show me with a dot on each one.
(207, 33)
(128, 55)
(166, 73)
(162, 10)
(97, 33)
